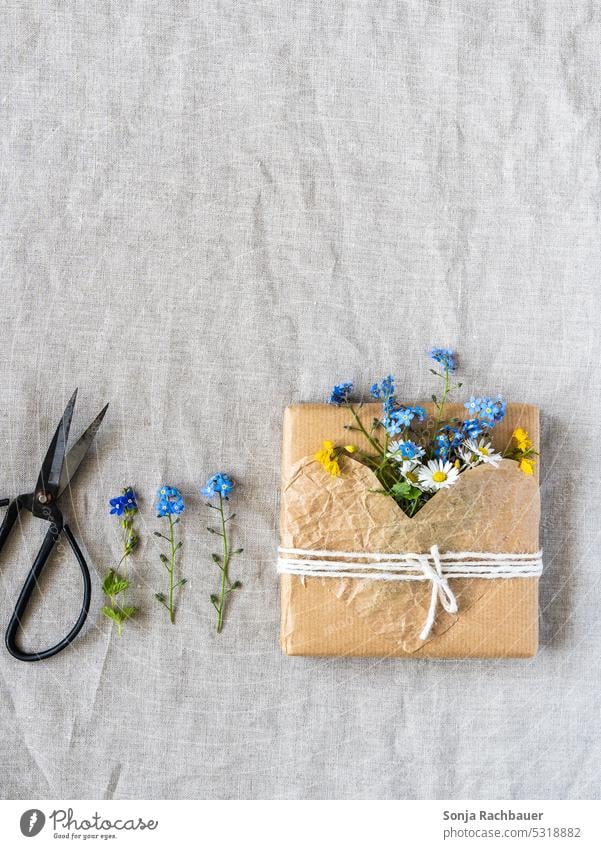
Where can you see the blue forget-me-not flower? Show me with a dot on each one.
(341, 393)
(445, 357)
(170, 501)
(124, 503)
(219, 484)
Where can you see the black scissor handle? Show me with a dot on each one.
(10, 517)
(31, 581)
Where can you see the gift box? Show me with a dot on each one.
(484, 529)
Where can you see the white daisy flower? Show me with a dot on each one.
(408, 470)
(438, 474)
(467, 455)
(482, 452)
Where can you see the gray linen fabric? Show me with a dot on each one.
(210, 210)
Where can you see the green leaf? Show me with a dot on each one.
(161, 598)
(111, 614)
(401, 490)
(405, 490)
(119, 614)
(107, 584)
(114, 583)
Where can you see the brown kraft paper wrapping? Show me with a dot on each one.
(489, 509)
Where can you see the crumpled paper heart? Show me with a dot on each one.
(488, 509)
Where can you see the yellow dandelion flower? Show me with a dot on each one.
(527, 465)
(522, 439)
(327, 458)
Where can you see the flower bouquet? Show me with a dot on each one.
(413, 530)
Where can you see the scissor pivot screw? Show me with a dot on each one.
(43, 498)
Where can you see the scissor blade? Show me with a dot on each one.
(79, 450)
(50, 472)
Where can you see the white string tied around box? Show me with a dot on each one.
(432, 566)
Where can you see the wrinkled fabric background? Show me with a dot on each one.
(210, 210)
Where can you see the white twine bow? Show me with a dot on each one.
(434, 567)
(441, 590)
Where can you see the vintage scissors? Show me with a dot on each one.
(55, 476)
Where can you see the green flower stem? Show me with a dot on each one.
(171, 569)
(387, 473)
(224, 567)
(116, 582)
(169, 562)
(443, 400)
(383, 469)
(372, 441)
(412, 506)
(448, 388)
(126, 535)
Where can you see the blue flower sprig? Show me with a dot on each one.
(425, 455)
(220, 486)
(116, 583)
(170, 503)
